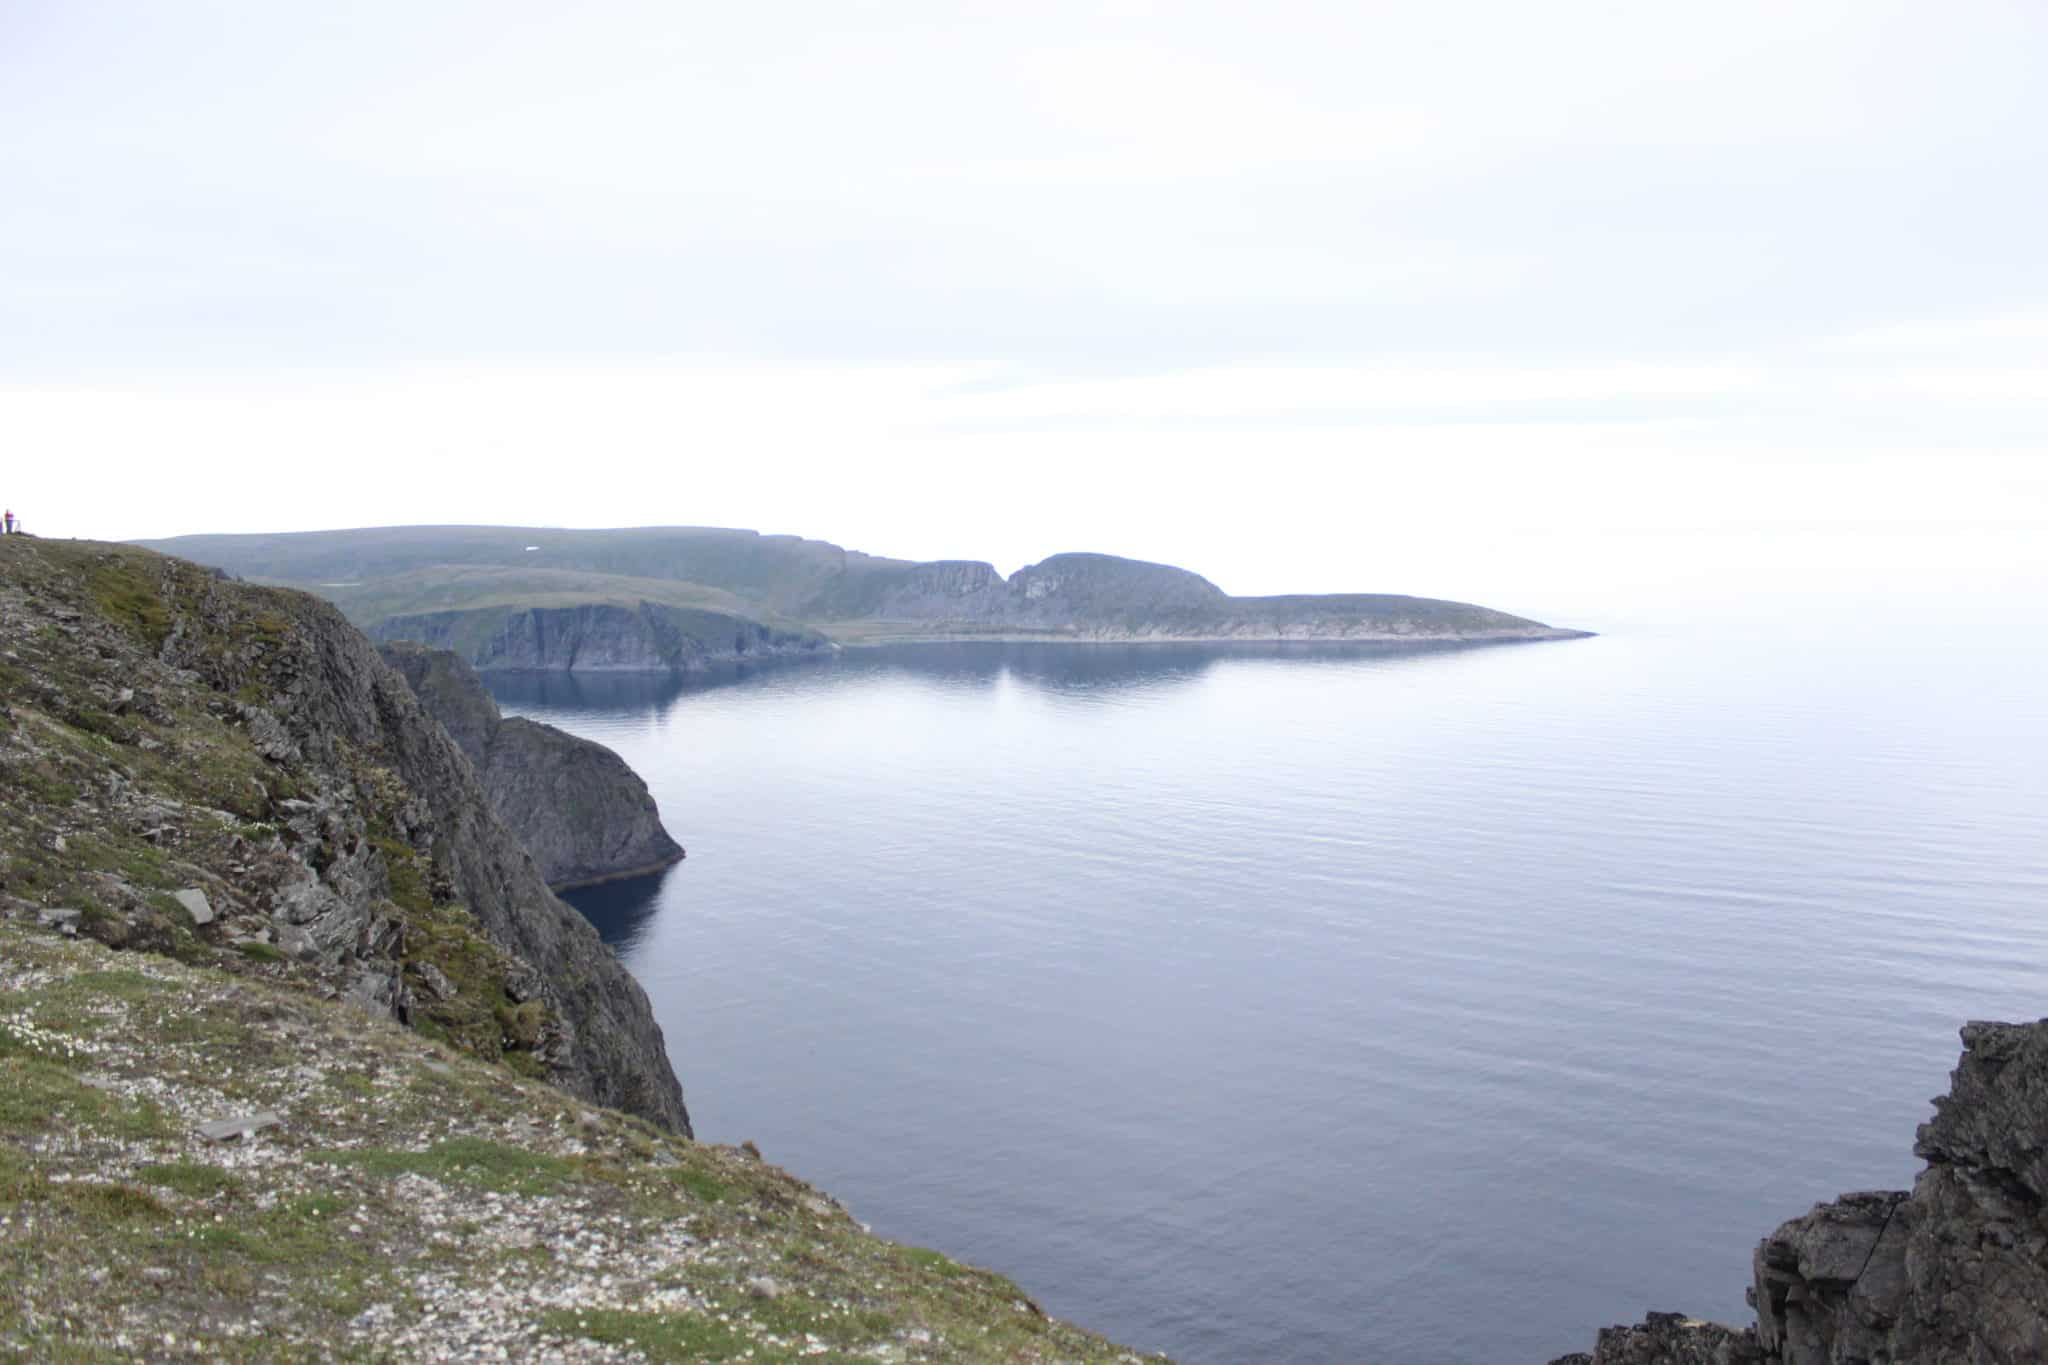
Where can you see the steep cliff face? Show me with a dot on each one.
(231, 774)
(579, 810)
(1954, 1272)
(601, 637)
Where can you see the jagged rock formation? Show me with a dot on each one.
(599, 637)
(1670, 1339)
(165, 730)
(1953, 1273)
(581, 812)
(850, 595)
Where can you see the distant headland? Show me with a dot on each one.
(686, 598)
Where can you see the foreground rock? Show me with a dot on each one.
(1954, 1272)
(199, 1166)
(579, 810)
(171, 741)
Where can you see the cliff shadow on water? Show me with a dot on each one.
(621, 911)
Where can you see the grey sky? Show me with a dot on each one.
(883, 273)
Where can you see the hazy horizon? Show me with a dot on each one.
(1578, 308)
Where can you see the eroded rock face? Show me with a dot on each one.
(601, 638)
(580, 811)
(1670, 1339)
(1957, 1271)
(1953, 1273)
(248, 745)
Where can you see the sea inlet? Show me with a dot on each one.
(1429, 1006)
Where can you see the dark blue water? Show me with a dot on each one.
(1342, 1005)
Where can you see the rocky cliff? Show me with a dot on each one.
(1952, 1272)
(601, 637)
(230, 774)
(579, 810)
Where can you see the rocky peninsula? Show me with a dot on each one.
(680, 599)
(1951, 1272)
(579, 810)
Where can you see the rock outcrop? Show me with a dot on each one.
(165, 730)
(1670, 1339)
(600, 637)
(580, 811)
(1954, 1272)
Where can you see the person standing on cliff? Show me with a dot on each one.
(9, 522)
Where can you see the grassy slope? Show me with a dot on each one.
(414, 1204)
(772, 572)
(457, 587)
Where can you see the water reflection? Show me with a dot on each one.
(1055, 667)
(1292, 960)
(622, 910)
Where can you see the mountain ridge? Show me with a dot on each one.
(789, 584)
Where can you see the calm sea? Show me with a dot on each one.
(1342, 1004)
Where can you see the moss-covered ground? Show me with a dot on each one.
(412, 1203)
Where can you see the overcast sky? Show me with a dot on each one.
(1538, 305)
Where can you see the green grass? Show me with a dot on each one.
(938, 1263)
(123, 591)
(481, 588)
(701, 1185)
(101, 1202)
(196, 1179)
(661, 1337)
(799, 1315)
(38, 1095)
(465, 1160)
